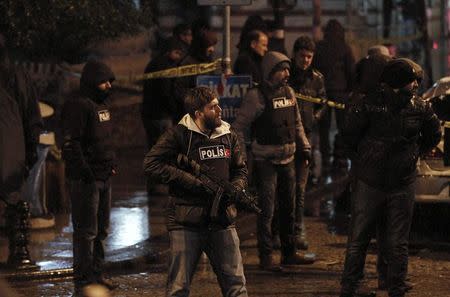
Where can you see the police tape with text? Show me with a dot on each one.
(180, 71)
(224, 191)
(320, 101)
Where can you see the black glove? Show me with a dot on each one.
(304, 155)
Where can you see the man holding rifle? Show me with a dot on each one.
(212, 170)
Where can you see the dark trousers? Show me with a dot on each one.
(368, 204)
(325, 126)
(276, 182)
(91, 207)
(302, 172)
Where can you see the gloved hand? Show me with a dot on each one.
(304, 155)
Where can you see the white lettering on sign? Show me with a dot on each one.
(104, 115)
(230, 90)
(229, 112)
(282, 102)
(214, 152)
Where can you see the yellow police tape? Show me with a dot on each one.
(180, 71)
(320, 101)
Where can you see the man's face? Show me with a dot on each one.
(211, 114)
(105, 87)
(412, 87)
(186, 36)
(303, 58)
(210, 51)
(280, 78)
(260, 46)
(176, 55)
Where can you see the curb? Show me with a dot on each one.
(147, 254)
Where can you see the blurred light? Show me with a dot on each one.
(435, 45)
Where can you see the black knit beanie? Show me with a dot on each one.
(281, 66)
(398, 73)
(95, 73)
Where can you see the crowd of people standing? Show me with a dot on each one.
(384, 128)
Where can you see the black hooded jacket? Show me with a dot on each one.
(158, 97)
(248, 62)
(87, 127)
(386, 133)
(335, 60)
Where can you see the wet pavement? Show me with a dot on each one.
(137, 246)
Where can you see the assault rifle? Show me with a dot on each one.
(220, 188)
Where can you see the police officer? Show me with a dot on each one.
(90, 162)
(387, 131)
(272, 111)
(205, 138)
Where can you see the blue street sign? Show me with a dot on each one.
(231, 91)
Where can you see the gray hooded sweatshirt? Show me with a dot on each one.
(253, 106)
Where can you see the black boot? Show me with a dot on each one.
(267, 262)
(102, 280)
(298, 259)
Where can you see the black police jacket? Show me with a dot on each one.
(386, 133)
(87, 132)
(190, 202)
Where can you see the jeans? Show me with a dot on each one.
(276, 182)
(367, 205)
(91, 208)
(222, 249)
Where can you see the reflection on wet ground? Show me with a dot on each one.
(52, 248)
(429, 225)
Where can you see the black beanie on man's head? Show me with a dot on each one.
(398, 73)
(95, 72)
(281, 66)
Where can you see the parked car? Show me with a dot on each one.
(433, 180)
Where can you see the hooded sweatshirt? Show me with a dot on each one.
(252, 108)
(87, 127)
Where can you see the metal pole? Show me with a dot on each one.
(443, 39)
(226, 64)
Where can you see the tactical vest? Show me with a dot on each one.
(276, 125)
(99, 147)
(213, 153)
